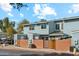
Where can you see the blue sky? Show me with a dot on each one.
(35, 12)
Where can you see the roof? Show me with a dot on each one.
(65, 19)
(61, 34)
(36, 23)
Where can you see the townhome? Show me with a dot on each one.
(40, 29)
(70, 26)
(45, 30)
(56, 29)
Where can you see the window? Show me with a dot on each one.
(57, 26)
(31, 27)
(43, 26)
(22, 37)
(62, 26)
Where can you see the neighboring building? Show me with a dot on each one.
(61, 28)
(71, 27)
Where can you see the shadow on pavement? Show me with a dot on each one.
(51, 54)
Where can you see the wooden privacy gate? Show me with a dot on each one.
(45, 43)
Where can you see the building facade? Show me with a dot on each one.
(61, 28)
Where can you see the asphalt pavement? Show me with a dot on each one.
(17, 51)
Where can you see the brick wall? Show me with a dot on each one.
(38, 43)
(22, 43)
(51, 44)
(60, 45)
(63, 45)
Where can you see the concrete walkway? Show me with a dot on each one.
(47, 51)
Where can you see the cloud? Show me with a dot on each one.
(37, 9)
(10, 14)
(40, 17)
(48, 11)
(21, 15)
(42, 10)
(74, 9)
(6, 7)
(69, 11)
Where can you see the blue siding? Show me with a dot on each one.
(72, 26)
(51, 27)
(38, 31)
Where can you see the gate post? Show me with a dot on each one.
(15, 38)
(30, 39)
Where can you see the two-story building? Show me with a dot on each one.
(39, 29)
(70, 27)
(59, 28)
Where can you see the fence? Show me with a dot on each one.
(61, 45)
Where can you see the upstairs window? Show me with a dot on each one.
(57, 26)
(62, 26)
(43, 26)
(31, 27)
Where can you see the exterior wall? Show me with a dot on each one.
(17, 43)
(51, 44)
(37, 29)
(26, 30)
(38, 43)
(22, 43)
(51, 26)
(63, 45)
(75, 37)
(72, 26)
(59, 45)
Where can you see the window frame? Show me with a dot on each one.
(31, 27)
(43, 26)
(58, 24)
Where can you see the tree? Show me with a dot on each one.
(8, 27)
(21, 25)
(18, 5)
(10, 32)
(1, 24)
(6, 22)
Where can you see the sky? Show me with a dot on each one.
(35, 12)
